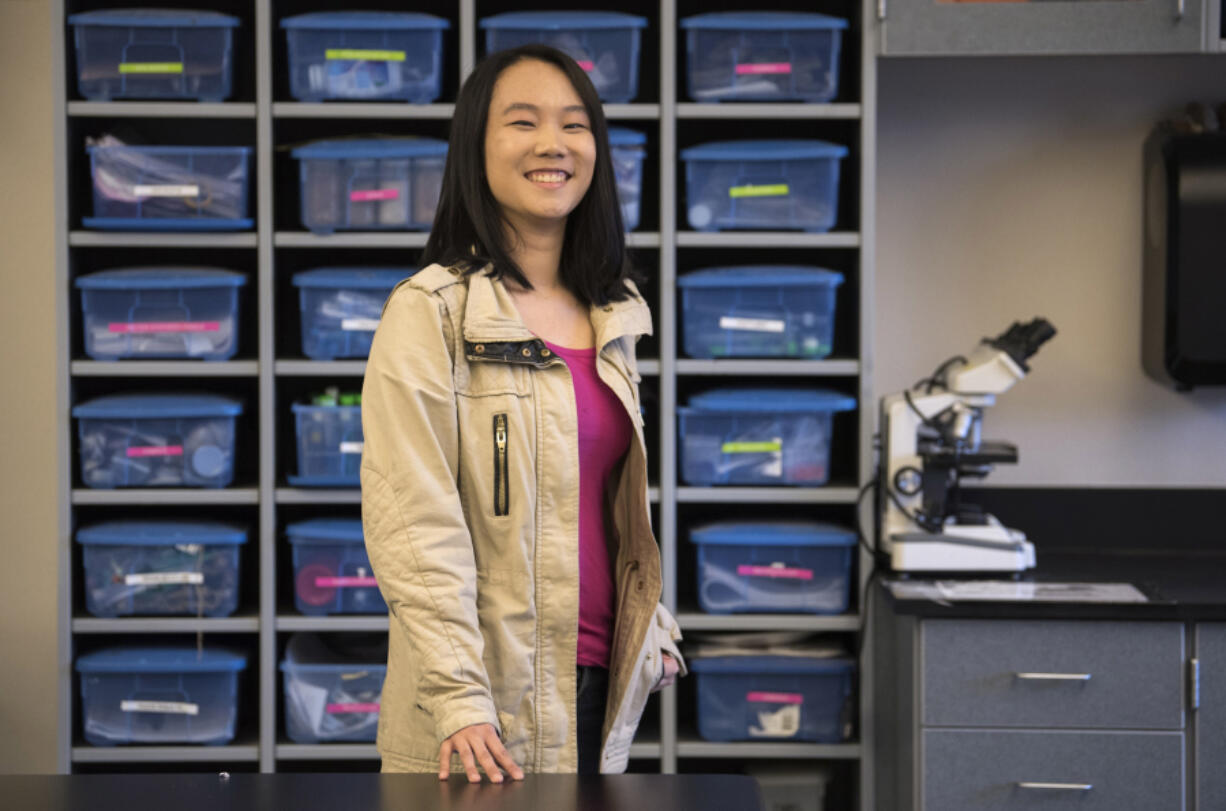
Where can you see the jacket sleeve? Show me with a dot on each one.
(419, 544)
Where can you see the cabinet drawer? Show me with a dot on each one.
(1053, 674)
(969, 770)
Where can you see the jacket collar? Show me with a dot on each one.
(490, 315)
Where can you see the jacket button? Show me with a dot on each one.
(527, 352)
(545, 353)
(607, 309)
(479, 348)
(639, 585)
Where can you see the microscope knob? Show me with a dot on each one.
(908, 480)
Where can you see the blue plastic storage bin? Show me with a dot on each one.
(160, 312)
(773, 566)
(606, 44)
(770, 185)
(365, 55)
(157, 440)
(774, 698)
(759, 436)
(169, 188)
(332, 574)
(371, 183)
(759, 311)
(333, 687)
(159, 695)
(341, 307)
(161, 567)
(627, 151)
(154, 53)
(763, 56)
(329, 445)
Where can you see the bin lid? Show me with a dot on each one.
(773, 533)
(557, 20)
(764, 150)
(348, 148)
(772, 664)
(325, 530)
(155, 18)
(353, 278)
(763, 21)
(620, 136)
(345, 653)
(761, 276)
(160, 278)
(197, 151)
(161, 660)
(147, 406)
(782, 400)
(366, 20)
(160, 533)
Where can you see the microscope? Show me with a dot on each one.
(931, 441)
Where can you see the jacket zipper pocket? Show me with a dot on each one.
(502, 496)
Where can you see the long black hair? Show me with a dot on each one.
(469, 228)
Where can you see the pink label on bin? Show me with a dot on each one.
(587, 65)
(746, 570)
(165, 326)
(758, 68)
(159, 450)
(374, 194)
(335, 708)
(775, 698)
(344, 582)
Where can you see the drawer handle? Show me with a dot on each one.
(1054, 676)
(1058, 786)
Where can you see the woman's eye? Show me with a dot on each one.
(521, 123)
(576, 126)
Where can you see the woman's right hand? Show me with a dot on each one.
(475, 744)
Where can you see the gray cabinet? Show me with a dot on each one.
(1210, 750)
(991, 27)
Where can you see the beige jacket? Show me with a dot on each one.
(470, 505)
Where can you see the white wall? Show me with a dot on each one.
(1010, 188)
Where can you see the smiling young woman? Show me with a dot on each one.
(504, 475)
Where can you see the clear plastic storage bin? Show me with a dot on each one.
(332, 574)
(329, 445)
(157, 440)
(774, 698)
(169, 188)
(604, 43)
(154, 53)
(159, 695)
(163, 312)
(371, 184)
(774, 566)
(161, 567)
(769, 185)
(333, 687)
(759, 436)
(759, 311)
(763, 56)
(341, 308)
(626, 148)
(365, 55)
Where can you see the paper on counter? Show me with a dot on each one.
(1014, 591)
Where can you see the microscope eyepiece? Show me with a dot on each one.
(1021, 341)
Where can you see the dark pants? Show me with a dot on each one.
(591, 695)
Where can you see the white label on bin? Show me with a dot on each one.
(165, 326)
(337, 708)
(751, 324)
(165, 707)
(359, 324)
(782, 723)
(345, 582)
(758, 68)
(774, 570)
(351, 447)
(362, 53)
(164, 579)
(166, 191)
(155, 450)
(367, 195)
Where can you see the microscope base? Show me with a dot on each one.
(939, 553)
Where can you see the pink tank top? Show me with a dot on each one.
(604, 436)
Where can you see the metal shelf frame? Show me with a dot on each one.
(268, 497)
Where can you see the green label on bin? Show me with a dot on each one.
(373, 56)
(150, 67)
(773, 446)
(771, 190)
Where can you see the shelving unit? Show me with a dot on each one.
(269, 373)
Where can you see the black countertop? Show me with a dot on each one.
(1186, 586)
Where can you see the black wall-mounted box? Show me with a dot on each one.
(1184, 279)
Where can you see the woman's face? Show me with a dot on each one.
(539, 149)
